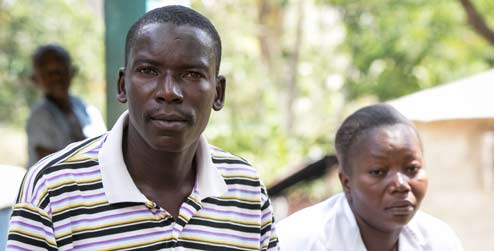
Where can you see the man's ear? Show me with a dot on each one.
(73, 71)
(219, 98)
(121, 91)
(34, 79)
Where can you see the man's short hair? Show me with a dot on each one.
(178, 15)
(51, 49)
(366, 118)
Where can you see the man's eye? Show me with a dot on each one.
(377, 172)
(147, 71)
(192, 75)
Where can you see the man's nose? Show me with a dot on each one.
(169, 90)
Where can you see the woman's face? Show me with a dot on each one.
(387, 180)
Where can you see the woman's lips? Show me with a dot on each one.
(401, 208)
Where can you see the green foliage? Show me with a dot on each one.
(252, 122)
(349, 51)
(28, 24)
(398, 47)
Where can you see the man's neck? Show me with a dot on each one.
(156, 169)
(63, 103)
(375, 239)
(166, 178)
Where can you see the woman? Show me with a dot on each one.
(383, 179)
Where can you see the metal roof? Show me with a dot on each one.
(468, 98)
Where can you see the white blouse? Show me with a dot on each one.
(331, 226)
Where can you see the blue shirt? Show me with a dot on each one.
(4, 226)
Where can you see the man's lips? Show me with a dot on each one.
(169, 121)
(169, 117)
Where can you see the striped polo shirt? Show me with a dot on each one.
(83, 198)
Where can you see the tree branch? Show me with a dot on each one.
(477, 21)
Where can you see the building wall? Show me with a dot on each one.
(456, 194)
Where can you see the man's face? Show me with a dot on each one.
(53, 75)
(170, 85)
(388, 181)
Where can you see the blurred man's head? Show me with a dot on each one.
(52, 70)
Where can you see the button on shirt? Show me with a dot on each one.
(331, 226)
(83, 198)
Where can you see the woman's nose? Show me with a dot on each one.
(399, 182)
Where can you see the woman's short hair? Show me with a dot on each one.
(366, 118)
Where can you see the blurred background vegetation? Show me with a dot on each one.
(294, 68)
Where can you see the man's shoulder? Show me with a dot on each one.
(76, 163)
(85, 150)
(231, 165)
(40, 111)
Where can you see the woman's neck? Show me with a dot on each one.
(375, 239)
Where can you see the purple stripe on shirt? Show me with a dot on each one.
(64, 175)
(237, 169)
(27, 225)
(93, 151)
(77, 196)
(104, 242)
(12, 246)
(188, 210)
(220, 234)
(265, 214)
(243, 191)
(231, 212)
(35, 195)
(74, 223)
(264, 238)
(73, 174)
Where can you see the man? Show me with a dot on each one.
(152, 182)
(59, 118)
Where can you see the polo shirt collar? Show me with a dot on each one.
(119, 186)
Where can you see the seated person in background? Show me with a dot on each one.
(59, 119)
(384, 181)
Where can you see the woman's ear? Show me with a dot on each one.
(121, 91)
(345, 181)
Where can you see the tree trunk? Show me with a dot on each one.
(293, 69)
(477, 21)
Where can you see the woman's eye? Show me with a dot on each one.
(412, 169)
(147, 71)
(377, 172)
